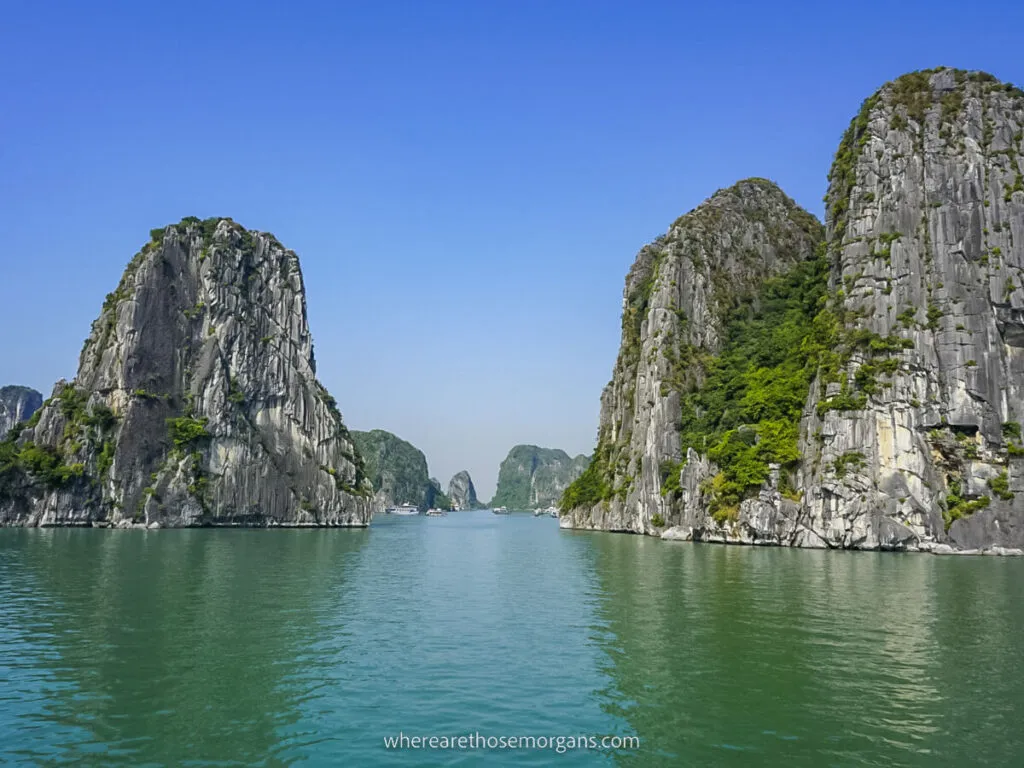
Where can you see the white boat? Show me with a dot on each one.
(539, 512)
(553, 511)
(500, 510)
(436, 513)
(403, 509)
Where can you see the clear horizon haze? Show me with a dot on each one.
(466, 183)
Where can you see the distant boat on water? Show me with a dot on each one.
(403, 509)
(436, 513)
(500, 510)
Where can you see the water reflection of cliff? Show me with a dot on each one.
(165, 647)
(728, 655)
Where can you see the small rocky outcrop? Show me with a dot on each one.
(531, 477)
(17, 404)
(867, 396)
(397, 470)
(196, 401)
(462, 492)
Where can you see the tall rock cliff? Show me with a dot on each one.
(926, 242)
(397, 470)
(868, 399)
(462, 492)
(532, 477)
(196, 401)
(687, 298)
(17, 404)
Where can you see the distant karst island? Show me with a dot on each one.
(398, 472)
(17, 404)
(531, 477)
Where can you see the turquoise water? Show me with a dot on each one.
(272, 647)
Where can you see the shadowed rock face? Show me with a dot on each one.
(462, 492)
(17, 404)
(196, 401)
(910, 434)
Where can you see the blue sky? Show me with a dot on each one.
(466, 183)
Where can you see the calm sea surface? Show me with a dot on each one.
(199, 647)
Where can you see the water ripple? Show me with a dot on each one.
(275, 647)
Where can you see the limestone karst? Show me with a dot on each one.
(859, 388)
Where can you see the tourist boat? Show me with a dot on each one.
(539, 512)
(403, 509)
(500, 510)
(436, 513)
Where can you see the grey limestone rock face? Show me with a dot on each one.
(17, 404)
(462, 492)
(913, 440)
(196, 401)
(926, 233)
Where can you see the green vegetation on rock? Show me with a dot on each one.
(848, 460)
(1000, 485)
(669, 471)
(589, 488)
(747, 413)
(42, 463)
(86, 431)
(956, 506)
(184, 430)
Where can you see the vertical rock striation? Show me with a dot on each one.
(17, 404)
(196, 401)
(926, 241)
(909, 430)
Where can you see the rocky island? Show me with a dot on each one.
(196, 401)
(858, 386)
(17, 404)
(397, 471)
(532, 477)
(462, 492)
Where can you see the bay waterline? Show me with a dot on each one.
(314, 645)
